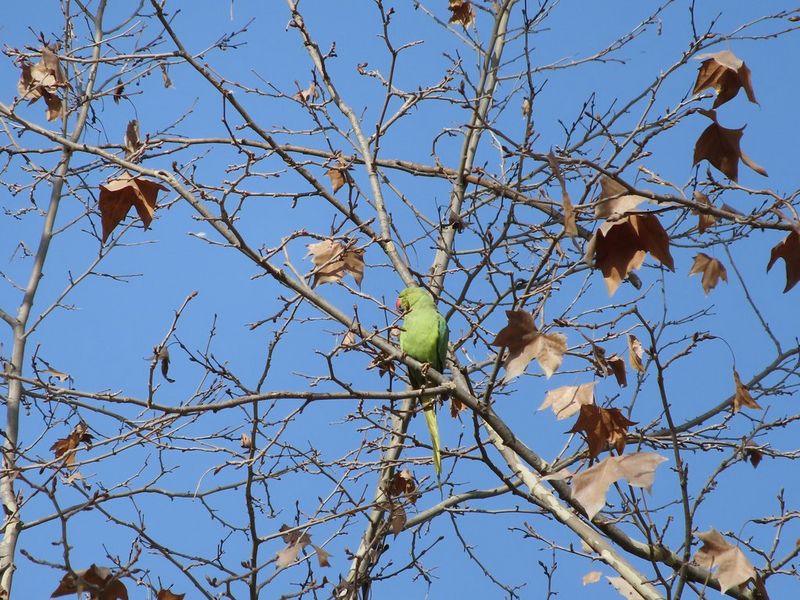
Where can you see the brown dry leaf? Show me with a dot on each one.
(118, 92)
(711, 269)
(789, 250)
(43, 80)
(67, 446)
(526, 106)
(62, 377)
(322, 556)
(55, 108)
(704, 221)
(246, 441)
(308, 94)
(162, 356)
(99, 582)
(397, 518)
(754, 455)
(295, 541)
(525, 342)
(733, 567)
(570, 225)
(133, 145)
(635, 353)
(617, 366)
(742, 397)
(615, 199)
(117, 196)
(725, 73)
(403, 484)
(290, 535)
(333, 259)
(462, 12)
(338, 177)
(456, 222)
(602, 427)
(165, 76)
(288, 555)
(590, 487)
(566, 401)
(169, 595)
(591, 577)
(613, 365)
(624, 588)
(619, 247)
(721, 147)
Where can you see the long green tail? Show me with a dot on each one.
(429, 408)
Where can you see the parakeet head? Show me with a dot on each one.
(411, 296)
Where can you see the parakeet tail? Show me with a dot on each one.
(429, 408)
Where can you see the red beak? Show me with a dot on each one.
(398, 304)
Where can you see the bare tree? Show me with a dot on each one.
(269, 445)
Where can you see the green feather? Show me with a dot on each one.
(424, 337)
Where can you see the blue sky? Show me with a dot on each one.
(105, 343)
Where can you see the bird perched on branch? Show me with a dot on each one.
(424, 337)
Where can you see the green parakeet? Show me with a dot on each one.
(424, 337)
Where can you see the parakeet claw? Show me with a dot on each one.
(424, 368)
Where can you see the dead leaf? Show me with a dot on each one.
(608, 366)
(526, 106)
(118, 92)
(245, 441)
(570, 225)
(602, 427)
(66, 447)
(456, 222)
(721, 147)
(462, 12)
(62, 377)
(308, 94)
(624, 588)
(162, 354)
(397, 518)
(333, 259)
(290, 535)
(617, 366)
(733, 567)
(288, 555)
(165, 76)
(704, 221)
(43, 80)
(789, 250)
(169, 595)
(567, 400)
(635, 353)
(742, 396)
(590, 487)
(591, 577)
(711, 269)
(133, 145)
(726, 74)
(322, 556)
(338, 177)
(117, 196)
(619, 247)
(615, 199)
(99, 582)
(754, 455)
(403, 484)
(295, 542)
(525, 342)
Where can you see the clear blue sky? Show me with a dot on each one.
(105, 343)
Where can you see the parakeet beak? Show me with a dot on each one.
(398, 305)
